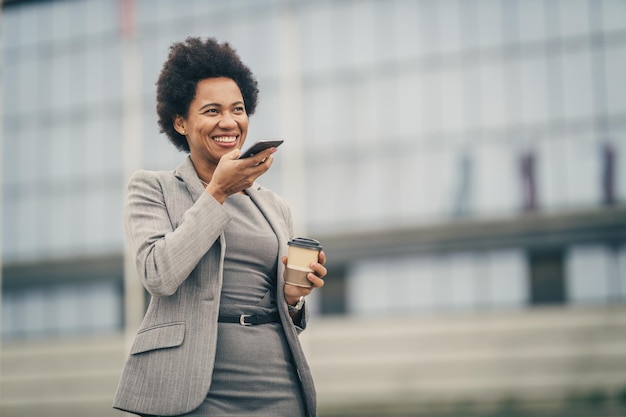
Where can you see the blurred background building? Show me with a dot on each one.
(462, 161)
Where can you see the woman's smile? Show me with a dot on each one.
(225, 139)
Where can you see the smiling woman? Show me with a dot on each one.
(220, 336)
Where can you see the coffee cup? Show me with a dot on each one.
(301, 254)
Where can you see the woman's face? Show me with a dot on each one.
(217, 121)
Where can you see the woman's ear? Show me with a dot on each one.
(179, 125)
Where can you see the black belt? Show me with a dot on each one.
(250, 319)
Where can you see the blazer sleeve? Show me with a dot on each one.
(167, 250)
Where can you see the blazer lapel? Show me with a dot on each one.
(187, 174)
(265, 202)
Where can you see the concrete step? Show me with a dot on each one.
(96, 406)
(52, 357)
(547, 355)
(68, 385)
(66, 377)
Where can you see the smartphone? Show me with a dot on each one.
(261, 146)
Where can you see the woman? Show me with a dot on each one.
(220, 336)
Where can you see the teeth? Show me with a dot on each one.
(225, 139)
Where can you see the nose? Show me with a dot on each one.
(228, 121)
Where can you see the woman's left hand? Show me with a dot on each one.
(294, 292)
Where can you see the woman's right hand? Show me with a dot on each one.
(234, 175)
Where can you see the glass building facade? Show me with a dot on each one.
(396, 114)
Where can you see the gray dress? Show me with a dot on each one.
(253, 374)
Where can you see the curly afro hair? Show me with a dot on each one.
(188, 63)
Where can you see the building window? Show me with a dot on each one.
(62, 309)
(64, 297)
(547, 279)
(333, 298)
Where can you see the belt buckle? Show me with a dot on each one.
(242, 320)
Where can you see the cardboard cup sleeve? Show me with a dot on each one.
(302, 253)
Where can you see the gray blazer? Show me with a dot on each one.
(176, 231)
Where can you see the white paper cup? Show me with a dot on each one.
(302, 253)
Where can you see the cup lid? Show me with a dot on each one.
(305, 242)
